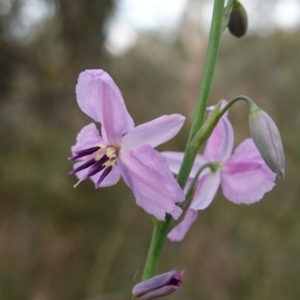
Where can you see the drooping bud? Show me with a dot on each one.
(266, 137)
(238, 20)
(158, 286)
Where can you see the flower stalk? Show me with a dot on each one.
(209, 67)
(161, 229)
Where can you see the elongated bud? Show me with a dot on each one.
(158, 286)
(238, 20)
(266, 137)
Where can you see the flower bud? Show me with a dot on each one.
(238, 20)
(266, 137)
(158, 286)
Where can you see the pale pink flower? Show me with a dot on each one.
(124, 150)
(243, 175)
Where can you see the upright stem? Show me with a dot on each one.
(161, 228)
(159, 234)
(209, 67)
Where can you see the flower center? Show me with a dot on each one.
(104, 159)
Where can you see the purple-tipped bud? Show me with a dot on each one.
(158, 286)
(266, 137)
(238, 20)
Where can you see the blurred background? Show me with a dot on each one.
(61, 243)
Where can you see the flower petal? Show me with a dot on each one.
(220, 144)
(160, 292)
(87, 137)
(152, 182)
(124, 173)
(206, 190)
(153, 283)
(111, 179)
(154, 133)
(100, 98)
(87, 95)
(174, 160)
(158, 286)
(246, 177)
(178, 233)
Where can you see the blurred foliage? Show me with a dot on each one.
(57, 242)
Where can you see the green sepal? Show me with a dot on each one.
(226, 14)
(206, 130)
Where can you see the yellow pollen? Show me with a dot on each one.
(98, 156)
(110, 163)
(111, 152)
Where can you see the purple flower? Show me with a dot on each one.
(243, 175)
(124, 150)
(158, 286)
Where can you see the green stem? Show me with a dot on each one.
(212, 120)
(226, 14)
(158, 237)
(161, 229)
(233, 100)
(189, 193)
(210, 62)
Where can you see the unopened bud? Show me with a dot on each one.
(238, 20)
(158, 286)
(266, 137)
